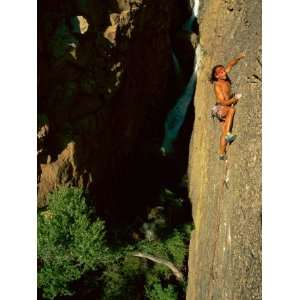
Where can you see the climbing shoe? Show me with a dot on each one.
(222, 157)
(230, 137)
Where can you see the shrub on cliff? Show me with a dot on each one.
(69, 243)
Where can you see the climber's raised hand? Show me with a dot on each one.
(234, 62)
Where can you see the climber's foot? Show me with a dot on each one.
(222, 157)
(230, 137)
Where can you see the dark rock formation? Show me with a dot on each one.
(104, 80)
(225, 249)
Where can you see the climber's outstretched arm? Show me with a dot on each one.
(221, 98)
(234, 62)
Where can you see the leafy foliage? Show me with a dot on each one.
(157, 292)
(120, 281)
(69, 242)
(173, 248)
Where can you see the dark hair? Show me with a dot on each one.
(213, 75)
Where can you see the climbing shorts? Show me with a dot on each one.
(218, 112)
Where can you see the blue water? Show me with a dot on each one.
(176, 116)
(176, 64)
(189, 23)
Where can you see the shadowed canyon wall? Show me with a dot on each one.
(105, 75)
(225, 249)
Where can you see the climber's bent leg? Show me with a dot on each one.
(227, 114)
(229, 122)
(229, 119)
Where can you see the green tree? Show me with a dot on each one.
(70, 243)
(157, 292)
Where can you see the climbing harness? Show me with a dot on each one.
(214, 113)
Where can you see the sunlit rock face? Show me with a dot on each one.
(225, 249)
(104, 80)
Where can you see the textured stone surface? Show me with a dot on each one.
(225, 249)
(62, 171)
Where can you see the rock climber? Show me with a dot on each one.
(224, 109)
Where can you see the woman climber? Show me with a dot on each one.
(224, 109)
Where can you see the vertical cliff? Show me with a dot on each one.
(225, 249)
